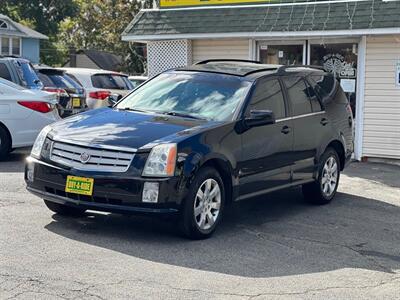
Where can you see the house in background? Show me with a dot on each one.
(19, 40)
(94, 59)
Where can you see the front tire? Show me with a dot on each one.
(203, 206)
(323, 190)
(64, 210)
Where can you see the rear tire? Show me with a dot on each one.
(203, 206)
(323, 190)
(64, 210)
(5, 143)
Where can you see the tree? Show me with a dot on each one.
(99, 25)
(43, 16)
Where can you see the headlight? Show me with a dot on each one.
(161, 161)
(37, 146)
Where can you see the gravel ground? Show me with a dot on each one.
(271, 247)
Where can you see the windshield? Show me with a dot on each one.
(28, 75)
(198, 95)
(111, 81)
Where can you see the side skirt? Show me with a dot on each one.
(250, 195)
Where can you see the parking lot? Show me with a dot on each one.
(274, 247)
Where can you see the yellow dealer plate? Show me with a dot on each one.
(79, 185)
(76, 102)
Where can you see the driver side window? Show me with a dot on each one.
(268, 96)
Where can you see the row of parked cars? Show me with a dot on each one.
(33, 96)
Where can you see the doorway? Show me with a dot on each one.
(281, 53)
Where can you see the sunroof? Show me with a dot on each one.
(236, 68)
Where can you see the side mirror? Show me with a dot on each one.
(260, 118)
(113, 99)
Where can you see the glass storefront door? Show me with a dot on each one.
(272, 53)
(340, 59)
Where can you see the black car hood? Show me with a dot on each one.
(112, 127)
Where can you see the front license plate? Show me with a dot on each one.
(79, 185)
(76, 102)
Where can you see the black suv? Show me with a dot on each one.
(192, 140)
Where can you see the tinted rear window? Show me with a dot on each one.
(325, 85)
(28, 75)
(46, 80)
(73, 77)
(61, 82)
(111, 81)
(4, 72)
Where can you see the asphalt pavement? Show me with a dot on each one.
(271, 247)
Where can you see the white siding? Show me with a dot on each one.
(164, 55)
(220, 49)
(382, 98)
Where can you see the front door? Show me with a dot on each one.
(266, 150)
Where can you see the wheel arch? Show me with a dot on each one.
(339, 148)
(2, 125)
(225, 171)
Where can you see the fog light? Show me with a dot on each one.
(150, 192)
(30, 172)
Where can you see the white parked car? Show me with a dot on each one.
(100, 84)
(137, 80)
(23, 114)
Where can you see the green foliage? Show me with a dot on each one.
(44, 16)
(99, 25)
(82, 24)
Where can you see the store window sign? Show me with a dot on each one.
(335, 63)
(348, 85)
(183, 3)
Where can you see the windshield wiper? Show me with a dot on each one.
(135, 109)
(178, 114)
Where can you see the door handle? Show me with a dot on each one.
(324, 121)
(285, 129)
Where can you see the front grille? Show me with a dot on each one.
(101, 160)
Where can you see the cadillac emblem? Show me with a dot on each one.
(84, 158)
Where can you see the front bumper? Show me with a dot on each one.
(118, 193)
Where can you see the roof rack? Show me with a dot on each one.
(283, 68)
(204, 62)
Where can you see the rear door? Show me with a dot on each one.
(310, 127)
(266, 150)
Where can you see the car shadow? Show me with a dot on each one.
(274, 235)
(14, 162)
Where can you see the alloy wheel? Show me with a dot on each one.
(207, 204)
(329, 176)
